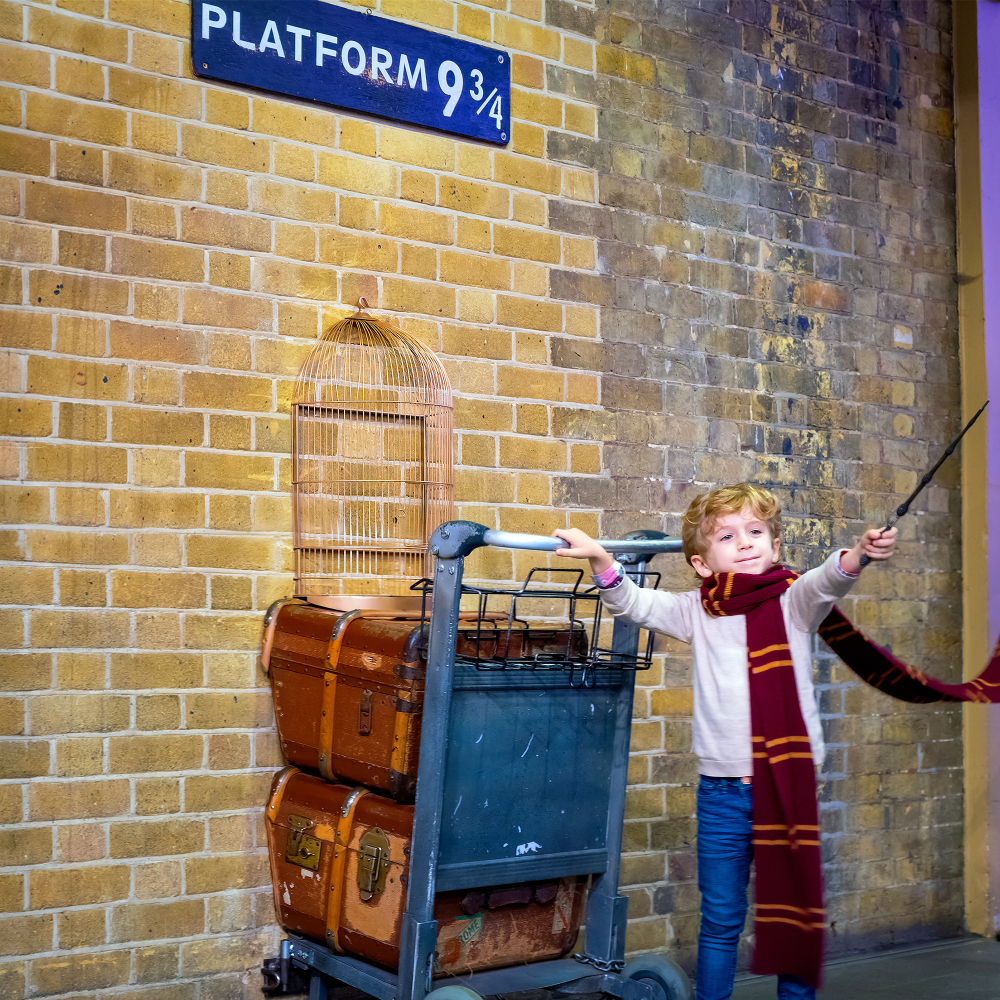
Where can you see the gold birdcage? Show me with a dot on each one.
(371, 464)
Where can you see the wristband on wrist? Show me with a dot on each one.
(611, 577)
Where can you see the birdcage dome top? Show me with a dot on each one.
(365, 359)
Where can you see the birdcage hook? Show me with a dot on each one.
(362, 306)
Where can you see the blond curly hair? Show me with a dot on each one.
(706, 509)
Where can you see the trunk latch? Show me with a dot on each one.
(301, 850)
(373, 862)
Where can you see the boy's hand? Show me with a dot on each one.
(874, 543)
(582, 546)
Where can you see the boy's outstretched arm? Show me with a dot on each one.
(582, 546)
(874, 543)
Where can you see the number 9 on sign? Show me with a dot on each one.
(451, 82)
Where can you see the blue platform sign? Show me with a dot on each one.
(349, 59)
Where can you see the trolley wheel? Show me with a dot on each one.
(661, 972)
(453, 992)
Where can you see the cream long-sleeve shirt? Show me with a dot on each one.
(721, 676)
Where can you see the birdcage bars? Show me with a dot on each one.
(372, 460)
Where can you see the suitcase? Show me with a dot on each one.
(339, 864)
(348, 687)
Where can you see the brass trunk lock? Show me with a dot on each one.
(373, 862)
(301, 850)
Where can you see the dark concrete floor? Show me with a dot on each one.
(962, 969)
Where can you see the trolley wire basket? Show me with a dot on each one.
(499, 630)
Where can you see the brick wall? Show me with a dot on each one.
(720, 245)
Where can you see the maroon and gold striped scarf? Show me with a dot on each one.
(790, 915)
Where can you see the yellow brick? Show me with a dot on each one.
(81, 928)
(21, 65)
(21, 417)
(89, 122)
(137, 671)
(220, 874)
(357, 213)
(26, 935)
(31, 331)
(80, 671)
(150, 343)
(149, 921)
(218, 552)
(169, 17)
(76, 463)
(228, 751)
(82, 588)
(11, 709)
(78, 547)
(418, 185)
(460, 341)
(77, 799)
(137, 754)
(132, 589)
(230, 433)
(579, 253)
(74, 207)
(53, 714)
(475, 306)
(480, 271)
(81, 335)
(416, 148)
(10, 196)
(527, 71)
(356, 136)
(83, 292)
(155, 881)
(528, 314)
(672, 701)
(302, 280)
(418, 297)
(158, 712)
(23, 504)
(529, 208)
(149, 259)
(155, 386)
(157, 796)
(224, 229)
(516, 34)
(95, 39)
(92, 884)
(79, 506)
(521, 172)
(475, 199)
(24, 154)
(210, 793)
(510, 241)
(225, 309)
(28, 759)
(585, 459)
(154, 838)
(80, 972)
(135, 426)
(26, 585)
(530, 383)
(155, 467)
(292, 201)
(483, 415)
(403, 221)
(581, 321)
(351, 173)
(418, 262)
(156, 55)
(233, 670)
(154, 94)
(224, 108)
(298, 242)
(86, 250)
(293, 121)
(79, 758)
(581, 388)
(155, 302)
(578, 53)
(224, 149)
(154, 135)
(530, 453)
(153, 218)
(581, 119)
(222, 631)
(11, 893)
(229, 472)
(243, 710)
(10, 285)
(537, 108)
(615, 61)
(527, 139)
(474, 23)
(271, 514)
(578, 185)
(157, 178)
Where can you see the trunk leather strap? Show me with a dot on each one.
(275, 804)
(338, 871)
(327, 719)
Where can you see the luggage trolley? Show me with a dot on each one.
(553, 808)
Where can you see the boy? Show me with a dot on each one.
(756, 722)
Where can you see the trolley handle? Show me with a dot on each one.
(546, 543)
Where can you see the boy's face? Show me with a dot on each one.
(738, 543)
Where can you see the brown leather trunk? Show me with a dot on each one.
(348, 688)
(339, 865)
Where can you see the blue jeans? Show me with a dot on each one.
(725, 824)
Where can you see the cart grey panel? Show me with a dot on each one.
(528, 759)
